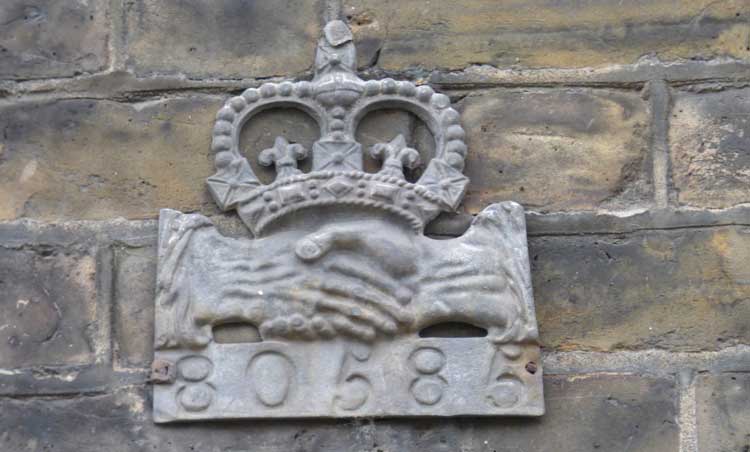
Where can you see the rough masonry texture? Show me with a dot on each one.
(238, 39)
(542, 34)
(45, 39)
(621, 127)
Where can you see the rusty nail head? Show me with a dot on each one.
(162, 372)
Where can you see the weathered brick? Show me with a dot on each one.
(555, 149)
(96, 423)
(683, 289)
(585, 413)
(89, 159)
(232, 38)
(48, 307)
(710, 146)
(588, 413)
(49, 38)
(723, 412)
(398, 34)
(135, 288)
(98, 159)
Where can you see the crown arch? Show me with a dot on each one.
(441, 120)
(238, 110)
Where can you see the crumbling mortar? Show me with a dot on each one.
(102, 340)
(706, 84)
(85, 233)
(709, 86)
(57, 397)
(629, 86)
(48, 250)
(106, 380)
(686, 418)
(63, 87)
(116, 43)
(637, 230)
(130, 100)
(66, 87)
(654, 362)
(659, 103)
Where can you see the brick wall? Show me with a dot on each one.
(623, 128)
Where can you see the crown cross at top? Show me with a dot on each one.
(338, 99)
(284, 155)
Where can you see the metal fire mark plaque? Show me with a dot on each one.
(356, 312)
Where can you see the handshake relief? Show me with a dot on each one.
(359, 279)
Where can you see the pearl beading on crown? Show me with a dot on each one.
(338, 99)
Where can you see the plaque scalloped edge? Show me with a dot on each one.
(356, 312)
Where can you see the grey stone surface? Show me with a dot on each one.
(399, 34)
(587, 223)
(585, 413)
(48, 38)
(653, 362)
(709, 138)
(134, 289)
(98, 159)
(723, 412)
(632, 76)
(343, 308)
(588, 413)
(683, 289)
(237, 38)
(49, 314)
(554, 149)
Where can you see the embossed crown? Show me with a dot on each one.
(338, 99)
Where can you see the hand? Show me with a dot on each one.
(344, 280)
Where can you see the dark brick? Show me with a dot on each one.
(398, 34)
(96, 159)
(585, 413)
(71, 381)
(90, 159)
(723, 410)
(48, 308)
(230, 38)
(683, 289)
(556, 149)
(95, 423)
(49, 38)
(135, 288)
(710, 146)
(589, 413)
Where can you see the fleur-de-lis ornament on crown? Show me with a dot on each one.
(338, 99)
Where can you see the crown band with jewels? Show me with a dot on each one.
(337, 99)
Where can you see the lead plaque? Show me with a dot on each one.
(336, 304)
